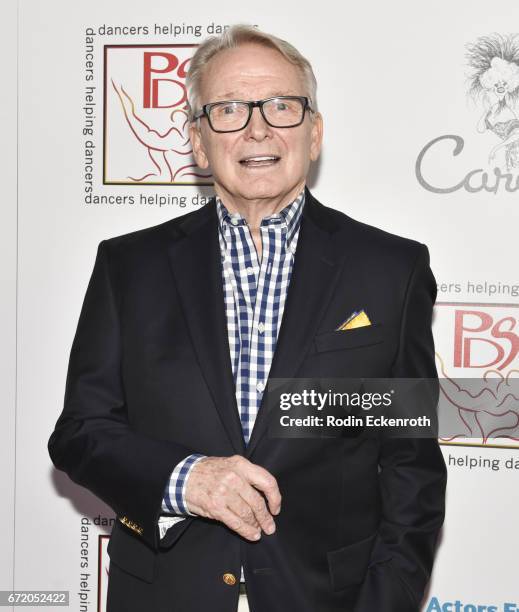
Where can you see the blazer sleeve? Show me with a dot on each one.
(412, 473)
(93, 441)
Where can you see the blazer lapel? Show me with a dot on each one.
(196, 264)
(314, 276)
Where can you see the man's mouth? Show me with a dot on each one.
(259, 160)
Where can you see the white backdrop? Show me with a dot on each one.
(8, 275)
(392, 77)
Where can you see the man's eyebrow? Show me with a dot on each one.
(283, 93)
(227, 96)
(233, 95)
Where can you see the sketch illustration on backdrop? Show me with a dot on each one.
(494, 83)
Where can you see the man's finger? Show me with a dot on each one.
(257, 505)
(263, 480)
(234, 522)
(238, 506)
(245, 501)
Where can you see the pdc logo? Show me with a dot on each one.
(146, 138)
(477, 358)
(485, 338)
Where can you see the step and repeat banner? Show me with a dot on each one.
(421, 119)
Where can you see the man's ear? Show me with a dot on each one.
(195, 136)
(316, 137)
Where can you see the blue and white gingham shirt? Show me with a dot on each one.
(255, 294)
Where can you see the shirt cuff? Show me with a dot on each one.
(174, 501)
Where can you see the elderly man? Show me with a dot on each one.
(182, 326)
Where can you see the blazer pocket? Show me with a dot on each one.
(350, 338)
(348, 565)
(131, 554)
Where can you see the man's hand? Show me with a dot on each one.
(227, 489)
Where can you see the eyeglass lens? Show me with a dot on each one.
(278, 112)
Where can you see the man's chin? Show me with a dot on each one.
(263, 195)
(264, 190)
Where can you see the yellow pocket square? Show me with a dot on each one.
(356, 319)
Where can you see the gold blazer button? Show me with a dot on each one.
(229, 579)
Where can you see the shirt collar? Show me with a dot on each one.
(290, 216)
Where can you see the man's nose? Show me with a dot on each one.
(257, 128)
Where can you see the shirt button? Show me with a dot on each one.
(234, 221)
(249, 270)
(261, 328)
(260, 386)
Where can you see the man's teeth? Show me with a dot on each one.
(263, 158)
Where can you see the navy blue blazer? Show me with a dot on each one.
(150, 381)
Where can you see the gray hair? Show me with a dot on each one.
(236, 36)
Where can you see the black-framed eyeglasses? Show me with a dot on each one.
(234, 115)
